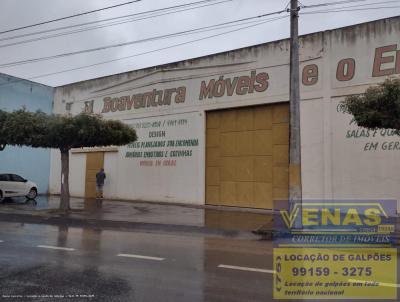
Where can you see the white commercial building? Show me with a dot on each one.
(214, 130)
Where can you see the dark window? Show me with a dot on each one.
(4, 177)
(16, 178)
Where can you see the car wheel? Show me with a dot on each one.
(32, 194)
(1, 196)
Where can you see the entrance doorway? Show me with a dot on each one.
(247, 156)
(94, 162)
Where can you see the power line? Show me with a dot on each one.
(339, 9)
(332, 3)
(151, 13)
(361, 5)
(357, 7)
(133, 20)
(173, 35)
(347, 10)
(137, 14)
(181, 33)
(197, 30)
(154, 50)
(68, 17)
(374, 3)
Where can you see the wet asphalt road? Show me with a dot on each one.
(101, 265)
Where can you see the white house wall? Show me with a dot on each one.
(76, 173)
(111, 186)
(55, 172)
(333, 165)
(312, 151)
(77, 186)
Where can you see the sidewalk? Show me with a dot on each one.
(136, 215)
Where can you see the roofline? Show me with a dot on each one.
(228, 51)
(17, 79)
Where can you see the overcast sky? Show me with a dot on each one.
(17, 13)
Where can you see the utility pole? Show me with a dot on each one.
(295, 194)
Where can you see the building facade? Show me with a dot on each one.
(33, 164)
(214, 130)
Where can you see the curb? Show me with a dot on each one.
(123, 225)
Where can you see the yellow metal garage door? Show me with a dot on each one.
(247, 156)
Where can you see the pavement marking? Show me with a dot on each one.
(141, 257)
(380, 283)
(249, 269)
(56, 248)
(1, 241)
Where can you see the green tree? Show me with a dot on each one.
(19, 127)
(64, 132)
(378, 107)
(3, 117)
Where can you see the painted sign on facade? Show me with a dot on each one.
(165, 161)
(360, 155)
(383, 60)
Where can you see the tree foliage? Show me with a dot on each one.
(3, 141)
(22, 128)
(64, 132)
(378, 107)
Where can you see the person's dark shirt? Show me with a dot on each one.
(100, 176)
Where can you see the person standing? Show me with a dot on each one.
(100, 177)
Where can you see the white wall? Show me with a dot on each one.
(55, 172)
(111, 183)
(130, 177)
(179, 182)
(333, 166)
(312, 152)
(360, 171)
(77, 174)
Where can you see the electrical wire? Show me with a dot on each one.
(68, 17)
(161, 37)
(198, 30)
(154, 50)
(367, 4)
(347, 10)
(151, 13)
(143, 18)
(181, 33)
(332, 3)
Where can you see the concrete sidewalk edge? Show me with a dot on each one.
(183, 205)
(121, 225)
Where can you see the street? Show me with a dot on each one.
(48, 263)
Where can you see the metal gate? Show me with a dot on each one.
(247, 156)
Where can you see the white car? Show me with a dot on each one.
(12, 185)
